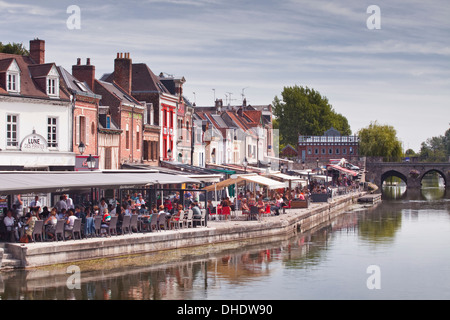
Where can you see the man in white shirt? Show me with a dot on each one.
(69, 202)
(61, 204)
(35, 204)
(11, 231)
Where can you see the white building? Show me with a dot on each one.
(35, 114)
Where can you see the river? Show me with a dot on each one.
(398, 249)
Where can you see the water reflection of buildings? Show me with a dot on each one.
(178, 276)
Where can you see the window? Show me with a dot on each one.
(351, 150)
(11, 130)
(108, 158)
(323, 151)
(316, 151)
(344, 151)
(108, 122)
(337, 151)
(51, 86)
(52, 132)
(330, 151)
(13, 82)
(138, 142)
(127, 139)
(309, 151)
(187, 131)
(82, 129)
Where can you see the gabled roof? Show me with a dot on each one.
(118, 92)
(29, 72)
(74, 85)
(142, 79)
(5, 63)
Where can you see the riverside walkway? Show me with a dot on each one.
(39, 254)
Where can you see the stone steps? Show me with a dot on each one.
(6, 258)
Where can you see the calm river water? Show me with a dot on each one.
(398, 249)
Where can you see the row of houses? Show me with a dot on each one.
(53, 118)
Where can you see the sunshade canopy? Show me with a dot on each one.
(50, 181)
(270, 183)
(343, 170)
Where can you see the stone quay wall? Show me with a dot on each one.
(41, 254)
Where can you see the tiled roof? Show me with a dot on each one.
(142, 79)
(118, 92)
(29, 70)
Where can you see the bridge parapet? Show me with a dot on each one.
(411, 173)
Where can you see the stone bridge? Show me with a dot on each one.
(411, 173)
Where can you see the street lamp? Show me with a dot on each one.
(81, 147)
(90, 161)
(169, 154)
(245, 164)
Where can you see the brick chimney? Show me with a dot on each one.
(84, 72)
(37, 51)
(122, 71)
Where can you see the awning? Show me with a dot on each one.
(13, 182)
(283, 176)
(343, 170)
(207, 177)
(270, 183)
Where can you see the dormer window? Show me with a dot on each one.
(52, 86)
(13, 82)
(13, 77)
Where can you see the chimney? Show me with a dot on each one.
(37, 51)
(219, 105)
(84, 72)
(122, 71)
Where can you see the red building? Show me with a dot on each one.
(126, 111)
(85, 109)
(329, 146)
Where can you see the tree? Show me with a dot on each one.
(14, 48)
(436, 149)
(380, 141)
(304, 111)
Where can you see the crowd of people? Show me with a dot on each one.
(15, 226)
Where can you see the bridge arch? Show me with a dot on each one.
(393, 173)
(436, 171)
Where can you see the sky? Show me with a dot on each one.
(389, 64)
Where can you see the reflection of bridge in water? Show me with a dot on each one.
(411, 173)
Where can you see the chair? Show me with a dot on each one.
(38, 230)
(202, 219)
(175, 223)
(98, 225)
(126, 223)
(59, 229)
(254, 211)
(111, 227)
(153, 224)
(76, 229)
(162, 220)
(188, 219)
(134, 223)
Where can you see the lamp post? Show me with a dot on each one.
(169, 154)
(245, 164)
(90, 161)
(81, 147)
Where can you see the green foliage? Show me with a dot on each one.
(436, 149)
(304, 111)
(380, 141)
(14, 48)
